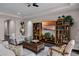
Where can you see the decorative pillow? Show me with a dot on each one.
(62, 48)
(18, 50)
(5, 52)
(0, 41)
(5, 44)
(35, 41)
(20, 39)
(1, 46)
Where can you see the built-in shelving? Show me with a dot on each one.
(37, 31)
(62, 32)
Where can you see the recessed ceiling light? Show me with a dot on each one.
(18, 13)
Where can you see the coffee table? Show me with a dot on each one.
(35, 47)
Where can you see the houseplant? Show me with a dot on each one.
(47, 35)
(68, 19)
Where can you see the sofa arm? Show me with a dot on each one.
(56, 50)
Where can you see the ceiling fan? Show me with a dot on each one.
(32, 4)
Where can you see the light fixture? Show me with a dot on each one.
(35, 4)
(22, 30)
(31, 4)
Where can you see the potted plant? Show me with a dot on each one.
(67, 19)
(47, 35)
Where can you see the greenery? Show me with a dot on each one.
(68, 19)
(47, 35)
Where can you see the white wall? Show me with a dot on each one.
(5, 28)
(1, 29)
(29, 28)
(9, 26)
(12, 27)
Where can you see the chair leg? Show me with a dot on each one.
(50, 51)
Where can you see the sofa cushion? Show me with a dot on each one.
(5, 52)
(18, 50)
(5, 44)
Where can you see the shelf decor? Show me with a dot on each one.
(22, 30)
(37, 31)
(67, 19)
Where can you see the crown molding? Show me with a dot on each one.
(8, 15)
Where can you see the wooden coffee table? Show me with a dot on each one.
(35, 47)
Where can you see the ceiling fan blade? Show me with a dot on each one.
(35, 4)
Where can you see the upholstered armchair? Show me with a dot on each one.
(64, 50)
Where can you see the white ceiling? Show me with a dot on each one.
(20, 9)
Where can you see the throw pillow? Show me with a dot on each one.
(18, 50)
(5, 44)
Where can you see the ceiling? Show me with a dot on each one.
(20, 9)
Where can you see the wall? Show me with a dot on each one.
(5, 27)
(29, 28)
(9, 27)
(1, 29)
(12, 27)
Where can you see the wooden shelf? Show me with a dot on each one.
(62, 32)
(37, 31)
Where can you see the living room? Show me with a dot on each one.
(39, 29)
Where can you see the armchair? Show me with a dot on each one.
(64, 50)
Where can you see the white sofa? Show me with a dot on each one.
(7, 49)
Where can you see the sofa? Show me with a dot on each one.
(7, 49)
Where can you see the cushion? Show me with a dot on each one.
(5, 44)
(20, 39)
(0, 41)
(5, 52)
(35, 41)
(62, 48)
(1, 46)
(18, 50)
